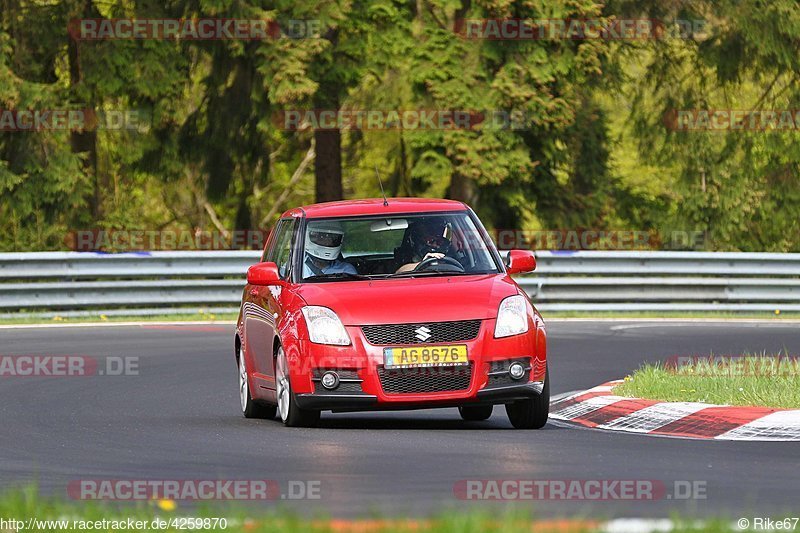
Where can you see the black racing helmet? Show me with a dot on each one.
(431, 235)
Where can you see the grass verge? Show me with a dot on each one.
(765, 381)
(31, 512)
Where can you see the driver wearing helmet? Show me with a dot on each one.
(323, 248)
(428, 239)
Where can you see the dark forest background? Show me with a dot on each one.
(595, 149)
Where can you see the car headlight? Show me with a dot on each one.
(324, 327)
(512, 317)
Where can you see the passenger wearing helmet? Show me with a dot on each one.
(323, 247)
(428, 239)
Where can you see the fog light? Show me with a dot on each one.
(330, 380)
(516, 371)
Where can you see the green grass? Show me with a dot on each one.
(25, 504)
(747, 381)
(29, 504)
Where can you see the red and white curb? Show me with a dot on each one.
(598, 408)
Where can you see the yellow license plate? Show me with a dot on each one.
(411, 356)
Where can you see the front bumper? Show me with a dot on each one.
(362, 363)
(335, 402)
(367, 402)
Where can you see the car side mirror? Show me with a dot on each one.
(520, 261)
(263, 274)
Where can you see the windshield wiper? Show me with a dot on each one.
(412, 273)
(337, 276)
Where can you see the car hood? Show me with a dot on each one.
(398, 301)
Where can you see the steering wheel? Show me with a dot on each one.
(431, 261)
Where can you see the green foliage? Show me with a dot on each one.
(761, 380)
(53, 514)
(590, 144)
(739, 186)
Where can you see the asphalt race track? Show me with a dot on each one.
(179, 419)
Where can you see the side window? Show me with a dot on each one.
(281, 252)
(268, 244)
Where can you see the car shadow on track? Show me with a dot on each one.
(409, 422)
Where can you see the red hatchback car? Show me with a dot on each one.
(389, 304)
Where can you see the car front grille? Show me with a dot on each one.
(343, 388)
(422, 333)
(428, 379)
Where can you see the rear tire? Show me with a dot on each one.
(533, 412)
(251, 408)
(291, 414)
(475, 413)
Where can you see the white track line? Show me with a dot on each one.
(781, 425)
(653, 417)
(702, 324)
(638, 525)
(585, 407)
(605, 387)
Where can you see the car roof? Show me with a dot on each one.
(374, 206)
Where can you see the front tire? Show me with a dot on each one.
(475, 413)
(251, 409)
(533, 412)
(291, 414)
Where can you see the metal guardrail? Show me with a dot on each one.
(87, 265)
(158, 282)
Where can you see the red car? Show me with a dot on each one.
(389, 304)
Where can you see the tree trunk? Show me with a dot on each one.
(84, 141)
(461, 189)
(328, 165)
(400, 176)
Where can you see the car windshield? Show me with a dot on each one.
(409, 245)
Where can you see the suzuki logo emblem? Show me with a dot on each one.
(422, 333)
